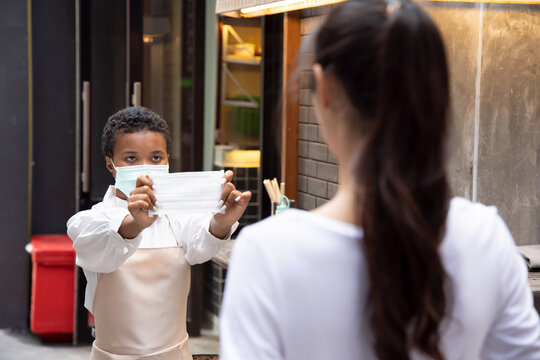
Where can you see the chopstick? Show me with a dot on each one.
(269, 190)
(274, 190)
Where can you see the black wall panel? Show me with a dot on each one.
(14, 141)
(53, 199)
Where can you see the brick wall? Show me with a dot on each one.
(317, 166)
(494, 149)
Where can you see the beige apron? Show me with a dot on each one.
(140, 309)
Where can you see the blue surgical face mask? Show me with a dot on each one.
(126, 176)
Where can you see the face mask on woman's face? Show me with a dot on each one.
(126, 176)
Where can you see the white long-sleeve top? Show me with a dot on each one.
(297, 286)
(100, 249)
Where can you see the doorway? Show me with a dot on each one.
(138, 52)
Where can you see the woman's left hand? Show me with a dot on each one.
(235, 203)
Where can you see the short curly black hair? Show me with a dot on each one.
(129, 120)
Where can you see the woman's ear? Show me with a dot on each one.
(324, 88)
(317, 79)
(110, 166)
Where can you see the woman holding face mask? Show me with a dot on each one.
(391, 267)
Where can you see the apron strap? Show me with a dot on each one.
(174, 228)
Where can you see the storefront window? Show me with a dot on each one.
(238, 125)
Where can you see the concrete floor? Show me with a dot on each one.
(16, 345)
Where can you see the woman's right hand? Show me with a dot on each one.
(140, 200)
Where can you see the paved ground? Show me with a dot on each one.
(25, 346)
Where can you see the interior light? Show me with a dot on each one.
(266, 6)
(276, 7)
(243, 158)
(229, 156)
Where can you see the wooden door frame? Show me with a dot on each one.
(290, 103)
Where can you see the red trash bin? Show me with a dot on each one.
(53, 286)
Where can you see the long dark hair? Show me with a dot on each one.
(391, 62)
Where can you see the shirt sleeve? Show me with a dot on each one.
(249, 323)
(98, 245)
(195, 237)
(515, 333)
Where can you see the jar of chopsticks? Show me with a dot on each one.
(279, 202)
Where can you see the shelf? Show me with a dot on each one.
(240, 103)
(242, 61)
(225, 156)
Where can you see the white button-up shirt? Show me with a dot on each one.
(100, 249)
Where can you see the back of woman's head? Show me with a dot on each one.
(391, 62)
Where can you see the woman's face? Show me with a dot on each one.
(138, 148)
(331, 110)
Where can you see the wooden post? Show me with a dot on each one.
(290, 110)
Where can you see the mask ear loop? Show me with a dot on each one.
(114, 166)
(174, 228)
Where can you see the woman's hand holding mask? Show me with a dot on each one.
(140, 200)
(235, 203)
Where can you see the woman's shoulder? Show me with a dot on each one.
(467, 216)
(295, 223)
(294, 228)
(467, 205)
(289, 223)
(475, 229)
